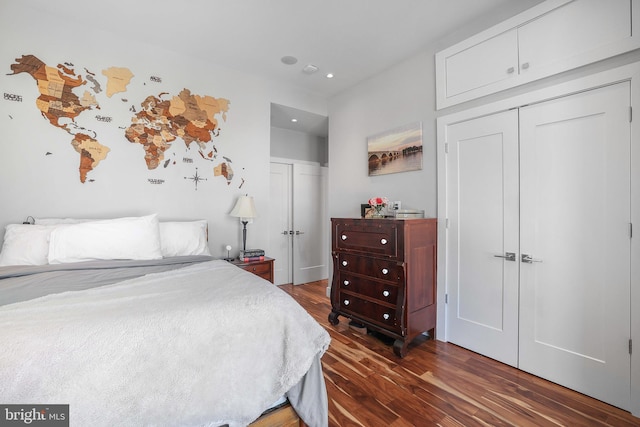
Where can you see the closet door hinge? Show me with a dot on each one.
(630, 230)
(630, 114)
(630, 346)
(446, 223)
(446, 301)
(446, 148)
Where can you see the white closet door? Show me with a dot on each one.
(281, 222)
(309, 249)
(575, 215)
(482, 209)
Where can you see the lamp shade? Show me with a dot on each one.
(244, 208)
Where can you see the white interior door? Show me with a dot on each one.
(309, 248)
(575, 224)
(482, 209)
(281, 222)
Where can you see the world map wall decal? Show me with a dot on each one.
(156, 123)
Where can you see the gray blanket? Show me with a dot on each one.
(206, 344)
(25, 282)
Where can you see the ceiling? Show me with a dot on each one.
(306, 122)
(353, 39)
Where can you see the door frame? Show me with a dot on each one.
(631, 73)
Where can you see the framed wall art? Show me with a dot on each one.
(396, 150)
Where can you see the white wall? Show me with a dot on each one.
(295, 145)
(398, 97)
(401, 95)
(32, 183)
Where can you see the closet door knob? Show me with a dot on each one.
(385, 293)
(510, 70)
(525, 66)
(383, 241)
(346, 283)
(346, 302)
(385, 316)
(509, 256)
(343, 237)
(385, 271)
(344, 263)
(528, 259)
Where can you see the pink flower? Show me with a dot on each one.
(378, 201)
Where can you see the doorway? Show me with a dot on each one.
(298, 214)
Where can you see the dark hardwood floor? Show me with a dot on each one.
(437, 383)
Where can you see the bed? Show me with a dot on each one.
(170, 340)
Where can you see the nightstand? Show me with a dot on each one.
(263, 268)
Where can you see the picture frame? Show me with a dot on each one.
(396, 150)
(366, 210)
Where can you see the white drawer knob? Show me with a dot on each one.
(346, 283)
(385, 293)
(344, 263)
(383, 241)
(346, 302)
(385, 271)
(385, 316)
(343, 237)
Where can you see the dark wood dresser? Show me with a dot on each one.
(384, 276)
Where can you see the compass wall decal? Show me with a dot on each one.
(196, 179)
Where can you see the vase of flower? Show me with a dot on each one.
(377, 203)
(377, 212)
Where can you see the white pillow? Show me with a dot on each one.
(121, 238)
(59, 221)
(25, 244)
(184, 238)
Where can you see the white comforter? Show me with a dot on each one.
(204, 345)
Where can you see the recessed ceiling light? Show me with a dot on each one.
(330, 75)
(289, 60)
(294, 120)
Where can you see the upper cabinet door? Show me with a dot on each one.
(572, 35)
(552, 37)
(486, 63)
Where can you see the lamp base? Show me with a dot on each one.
(228, 259)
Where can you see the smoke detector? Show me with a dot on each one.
(309, 69)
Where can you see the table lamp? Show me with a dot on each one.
(245, 210)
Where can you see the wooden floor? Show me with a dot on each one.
(437, 384)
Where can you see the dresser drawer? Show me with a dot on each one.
(257, 269)
(378, 268)
(370, 311)
(379, 237)
(262, 268)
(381, 291)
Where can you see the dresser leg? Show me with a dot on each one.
(333, 318)
(400, 348)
